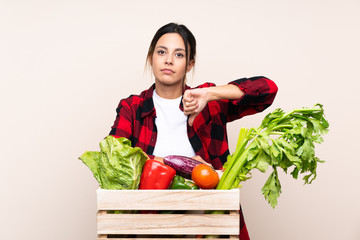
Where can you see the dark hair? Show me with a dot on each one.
(183, 31)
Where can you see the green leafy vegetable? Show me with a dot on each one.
(283, 140)
(117, 165)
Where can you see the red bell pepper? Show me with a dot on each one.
(156, 175)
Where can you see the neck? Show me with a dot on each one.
(169, 92)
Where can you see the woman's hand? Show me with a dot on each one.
(219, 172)
(159, 159)
(200, 159)
(194, 101)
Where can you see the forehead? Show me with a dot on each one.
(171, 41)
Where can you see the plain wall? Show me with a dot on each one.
(64, 66)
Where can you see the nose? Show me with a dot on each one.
(169, 60)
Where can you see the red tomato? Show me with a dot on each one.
(204, 176)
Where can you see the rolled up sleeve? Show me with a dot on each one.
(259, 94)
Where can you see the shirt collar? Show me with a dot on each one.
(148, 106)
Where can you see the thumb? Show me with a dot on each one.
(192, 118)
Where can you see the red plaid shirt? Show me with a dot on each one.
(136, 114)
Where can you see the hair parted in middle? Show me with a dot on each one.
(184, 32)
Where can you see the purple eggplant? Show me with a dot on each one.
(182, 165)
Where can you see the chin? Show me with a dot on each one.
(169, 82)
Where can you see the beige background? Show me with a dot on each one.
(64, 66)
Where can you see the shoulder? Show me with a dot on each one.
(135, 100)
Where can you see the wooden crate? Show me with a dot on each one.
(185, 225)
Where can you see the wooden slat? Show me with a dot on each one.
(165, 238)
(168, 199)
(174, 224)
(101, 236)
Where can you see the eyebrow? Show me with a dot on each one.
(176, 49)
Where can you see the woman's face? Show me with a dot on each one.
(169, 61)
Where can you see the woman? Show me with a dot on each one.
(172, 118)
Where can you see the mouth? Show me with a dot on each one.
(167, 71)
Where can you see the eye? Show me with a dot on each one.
(180, 55)
(161, 52)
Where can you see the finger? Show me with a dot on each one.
(191, 110)
(190, 107)
(198, 158)
(190, 103)
(188, 112)
(188, 96)
(191, 95)
(192, 118)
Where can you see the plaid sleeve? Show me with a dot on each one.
(123, 122)
(259, 92)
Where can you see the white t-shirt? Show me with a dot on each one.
(171, 124)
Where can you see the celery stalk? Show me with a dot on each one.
(284, 140)
(241, 143)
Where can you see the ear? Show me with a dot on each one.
(190, 65)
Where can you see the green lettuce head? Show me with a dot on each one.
(118, 165)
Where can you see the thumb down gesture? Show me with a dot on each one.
(194, 101)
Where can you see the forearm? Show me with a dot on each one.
(194, 100)
(229, 91)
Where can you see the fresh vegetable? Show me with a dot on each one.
(156, 175)
(117, 165)
(182, 165)
(283, 140)
(180, 183)
(204, 176)
(192, 185)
